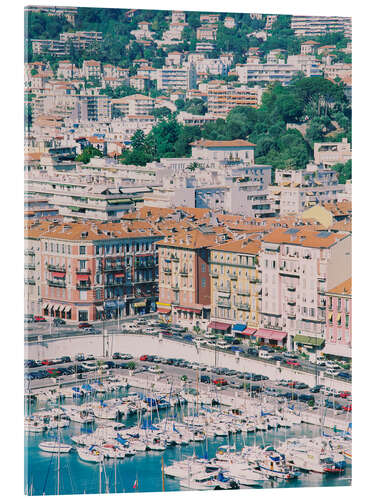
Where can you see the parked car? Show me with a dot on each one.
(47, 362)
(332, 404)
(301, 385)
(347, 408)
(331, 371)
(306, 397)
(188, 338)
(91, 329)
(278, 358)
(66, 359)
(90, 357)
(344, 375)
(84, 324)
(143, 357)
(80, 357)
(292, 362)
(316, 389)
(265, 354)
(39, 319)
(290, 355)
(220, 382)
(59, 322)
(155, 369)
(205, 379)
(252, 352)
(345, 394)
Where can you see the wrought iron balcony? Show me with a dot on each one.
(223, 303)
(57, 268)
(83, 286)
(243, 307)
(83, 271)
(57, 284)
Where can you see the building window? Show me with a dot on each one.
(330, 302)
(83, 315)
(82, 295)
(97, 250)
(203, 282)
(339, 304)
(346, 320)
(68, 249)
(82, 250)
(82, 264)
(203, 268)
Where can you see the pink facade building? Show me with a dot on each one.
(339, 320)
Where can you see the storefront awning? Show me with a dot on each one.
(68, 309)
(84, 277)
(270, 334)
(139, 304)
(196, 309)
(219, 326)
(119, 275)
(57, 309)
(58, 274)
(46, 306)
(100, 308)
(163, 310)
(163, 304)
(248, 332)
(304, 339)
(238, 327)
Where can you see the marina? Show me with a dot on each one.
(128, 439)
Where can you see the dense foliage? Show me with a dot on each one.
(88, 153)
(344, 170)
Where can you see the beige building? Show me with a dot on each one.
(236, 283)
(136, 104)
(330, 153)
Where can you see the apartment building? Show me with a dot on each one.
(217, 151)
(92, 107)
(174, 32)
(143, 32)
(183, 77)
(178, 17)
(174, 58)
(319, 25)
(309, 48)
(136, 104)
(67, 70)
(236, 285)
(207, 32)
(94, 271)
(91, 69)
(299, 265)
(330, 153)
(209, 18)
(266, 73)
(222, 98)
(211, 67)
(184, 279)
(82, 40)
(204, 47)
(56, 47)
(307, 64)
(32, 273)
(338, 341)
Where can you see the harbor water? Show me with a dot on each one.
(143, 472)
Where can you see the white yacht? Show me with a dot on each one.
(54, 447)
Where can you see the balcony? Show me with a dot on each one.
(184, 272)
(83, 271)
(116, 267)
(254, 280)
(243, 292)
(57, 284)
(289, 272)
(83, 286)
(167, 270)
(116, 283)
(243, 307)
(224, 289)
(54, 267)
(144, 265)
(29, 252)
(321, 279)
(214, 274)
(174, 258)
(29, 281)
(223, 303)
(291, 302)
(291, 288)
(233, 276)
(175, 287)
(291, 315)
(30, 266)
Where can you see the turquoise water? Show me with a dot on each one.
(78, 477)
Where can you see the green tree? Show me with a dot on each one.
(28, 117)
(88, 153)
(344, 170)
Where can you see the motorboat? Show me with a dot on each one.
(91, 454)
(54, 447)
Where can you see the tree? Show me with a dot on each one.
(344, 170)
(88, 153)
(28, 117)
(162, 112)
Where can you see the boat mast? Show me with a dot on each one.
(162, 473)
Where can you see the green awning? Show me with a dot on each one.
(304, 339)
(121, 201)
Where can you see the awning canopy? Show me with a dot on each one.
(238, 327)
(57, 308)
(119, 275)
(45, 305)
(68, 309)
(140, 304)
(83, 277)
(304, 339)
(270, 334)
(163, 304)
(219, 326)
(58, 274)
(164, 310)
(249, 332)
(196, 309)
(100, 308)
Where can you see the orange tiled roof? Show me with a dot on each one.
(306, 237)
(247, 246)
(344, 288)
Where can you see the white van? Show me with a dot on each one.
(263, 354)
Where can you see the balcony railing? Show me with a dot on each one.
(254, 280)
(243, 292)
(291, 288)
(83, 271)
(291, 302)
(83, 286)
(29, 281)
(233, 276)
(223, 289)
(30, 266)
(175, 287)
(57, 268)
(57, 284)
(143, 265)
(243, 307)
(223, 303)
(174, 258)
(29, 252)
(167, 270)
(214, 274)
(115, 267)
